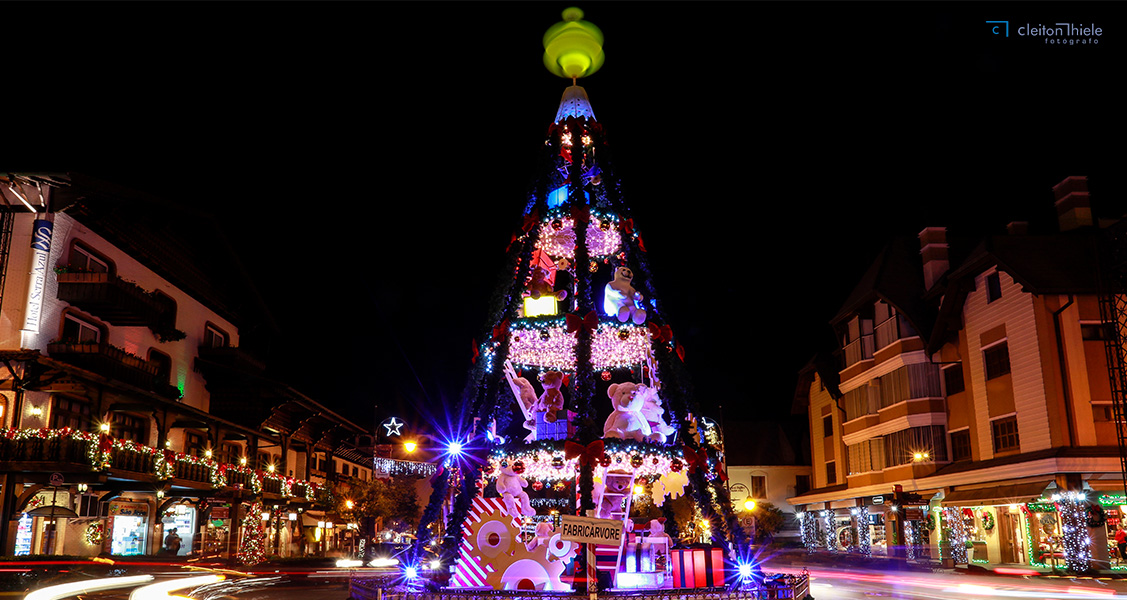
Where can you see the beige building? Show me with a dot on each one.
(127, 404)
(972, 387)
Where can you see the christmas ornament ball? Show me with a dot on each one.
(518, 467)
(676, 465)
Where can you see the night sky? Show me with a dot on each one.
(370, 161)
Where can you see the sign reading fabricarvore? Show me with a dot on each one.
(607, 532)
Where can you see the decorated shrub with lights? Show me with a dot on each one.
(578, 395)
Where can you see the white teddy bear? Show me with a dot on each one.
(626, 421)
(654, 414)
(511, 487)
(621, 300)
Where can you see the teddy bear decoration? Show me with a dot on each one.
(552, 400)
(626, 421)
(511, 487)
(621, 300)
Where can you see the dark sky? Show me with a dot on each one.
(370, 160)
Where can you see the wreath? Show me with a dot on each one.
(987, 520)
(1096, 515)
(930, 522)
(94, 533)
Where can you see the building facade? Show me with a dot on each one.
(120, 395)
(970, 417)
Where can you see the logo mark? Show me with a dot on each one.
(999, 27)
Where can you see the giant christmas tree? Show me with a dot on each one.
(578, 400)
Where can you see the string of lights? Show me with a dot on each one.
(1075, 538)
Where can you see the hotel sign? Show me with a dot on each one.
(37, 279)
(606, 532)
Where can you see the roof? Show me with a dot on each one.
(824, 365)
(1060, 263)
(575, 104)
(895, 277)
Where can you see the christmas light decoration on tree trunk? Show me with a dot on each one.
(828, 532)
(809, 523)
(1075, 537)
(956, 533)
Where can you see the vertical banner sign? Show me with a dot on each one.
(37, 280)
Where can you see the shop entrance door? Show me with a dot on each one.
(1017, 540)
(1006, 525)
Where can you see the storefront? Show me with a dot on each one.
(128, 528)
(182, 518)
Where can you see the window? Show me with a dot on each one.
(758, 486)
(953, 379)
(801, 484)
(69, 412)
(866, 456)
(901, 447)
(85, 260)
(263, 459)
(80, 331)
(909, 381)
(164, 364)
(831, 473)
(213, 337)
(997, 359)
(993, 287)
(129, 427)
(828, 426)
(194, 443)
(355, 471)
(1096, 331)
(960, 445)
(231, 453)
(856, 403)
(1005, 434)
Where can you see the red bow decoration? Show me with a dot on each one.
(641, 245)
(589, 322)
(660, 334)
(500, 330)
(530, 221)
(581, 214)
(695, 460)
(680, 352)
(476, 353)
(628, 226)
(105, 442)
(588, 455)
(169, 455)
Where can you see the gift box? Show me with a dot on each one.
(698, 567)
(556, 430)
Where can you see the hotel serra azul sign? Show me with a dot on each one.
(37, 278)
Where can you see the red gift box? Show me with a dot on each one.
(697, 567)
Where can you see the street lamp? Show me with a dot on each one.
(749, 504)
(410, 446)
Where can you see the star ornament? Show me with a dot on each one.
(393, 425)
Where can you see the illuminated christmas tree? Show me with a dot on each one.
(578, 399)
(252, 546)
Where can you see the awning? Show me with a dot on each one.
(1019, 493)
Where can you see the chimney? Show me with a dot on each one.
(1017, 228)
(933, 251)
(1074, 208)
